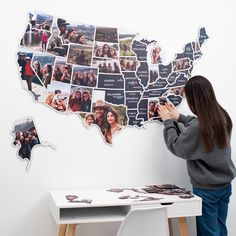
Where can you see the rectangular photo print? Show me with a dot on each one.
(58, 96)
(107, 65)
(62, 71)
(80, 55)
(84, 76)
(128, 63)
(80, 99)
(106, 50)
(106, 34)
(74, 32)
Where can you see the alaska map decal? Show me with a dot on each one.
(111, 78)
(26, 138)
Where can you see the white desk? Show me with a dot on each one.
(106, 206)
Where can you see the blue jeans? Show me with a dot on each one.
(214, 211)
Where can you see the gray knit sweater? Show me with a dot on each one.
(207, 170)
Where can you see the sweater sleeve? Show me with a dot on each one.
(185, 119)
(182, 144)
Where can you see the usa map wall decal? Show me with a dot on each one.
(109, 77)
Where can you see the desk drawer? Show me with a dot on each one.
(177, 209)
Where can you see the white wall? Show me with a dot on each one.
(81, 158)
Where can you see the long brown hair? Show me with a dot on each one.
(212, 117)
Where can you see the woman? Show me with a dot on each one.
(17, 138)
(112, 125)
(76, 78)
(98, 52)
(112, 53)
(75, 101)
(57, 74)
(156, 55)
(91, 79)
(47, 74)
(38, 70)
(29, 73)
(81, 39)
(84, 79)
(44, 40)
(86, 101)
(205, 145)
(105, 50)
(70, 36)
(66, 74)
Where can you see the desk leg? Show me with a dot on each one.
(62, 230)
(170, 227)
(71, 230)
(183, 226)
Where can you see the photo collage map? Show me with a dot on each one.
(111, 78)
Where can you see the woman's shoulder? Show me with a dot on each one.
(118, 127)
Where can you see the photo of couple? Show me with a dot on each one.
(110, 119)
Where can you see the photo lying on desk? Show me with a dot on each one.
(75, 198)
(119, 190)
(116, 190)
(139, 198)
(168, 189)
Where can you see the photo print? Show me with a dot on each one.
(84, 76)
(58, 95)
(40, 21)
(35, 39)
(106, 34)
(153, 109)
(30, 80)
(85, 34)
(181, 64)
(109, 118)
(80, 99)
(80, 55)
(107, 65)
(76, 199)
(197, 49)
(154, 73)
(155, 55)
(178, 91)
(43, 66)
(76, 33)
(55, 45)
(62, 25)
(25, 136)
(106, 50)
(196, 46)
(128, 63)
(125, 43)
(153, 105)
(62, 71)
(168, 189)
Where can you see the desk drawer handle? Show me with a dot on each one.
(166, 203)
